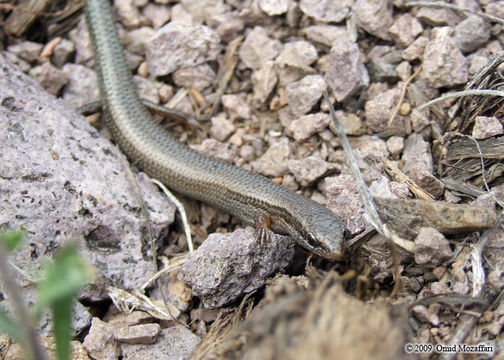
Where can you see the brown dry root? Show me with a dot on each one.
(321, 323)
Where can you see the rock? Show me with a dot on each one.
(178, 45)
(395, 146)
(158, 15)
(175, 342)
(302, 95)
(431, 247)
(205, 10)
(310, 169)
(445, 217)
(221, 127)
(100, 342)
(146, 89)
(274, 7)
(258, 48)
(293, 62)
(66, 182)
(417, 153)
(374, 16)
(305, 126)
(352, 124)
(129, 13)
(444, 65)
(416, 49)
(379, 109)
(217, 149)
(135, 40)
(326, 10)
(325, 34)
(344, 200)
(80, 37)
(15, 351)
(27, 50)
(228, 266)
(472, 33)
(274, 161)
(264, 81)
(426, 181)
(199, 77)
(438, 16)
(346, 74)
(495, 8)
(82, 87)
(230, 28)
(138, 334)
(51, 78)
(486, 127)
(405, 29)
(236, 106)
(62, 52)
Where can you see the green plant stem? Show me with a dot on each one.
(12, 292)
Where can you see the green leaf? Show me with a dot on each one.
(63, 277)
(12, 239)
(11, 327)
(62, 317)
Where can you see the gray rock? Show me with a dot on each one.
(274, 161)
(138, 334)
(228, 266)
(293, 63)
(438, 16)
(135, 40)
(100, 342)
(66, 182)
(236, 106)
(264, 81)
(199, 77)
(258, 47)
(417, 153)
(146, 89)
(346, 74)
(217, 149)
(431, 248)
(325, 34)
(82, 87)
(444, 65)
(80, 37)
(472, 33)
(221, 127)
(305, 126)
(486, 127)
(62, 52)
(416, 49)
(27, 50)
(158, 15)
(274, 7)
(405, 29)
(426, 181)
(374, 16)
(51, 78)
(395, 146)
(177, 45)
(326, 10)
(379, 109)
(129, 13)
(174, 343)
(302, 95)
(310, 169)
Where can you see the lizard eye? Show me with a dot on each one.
(310, 239)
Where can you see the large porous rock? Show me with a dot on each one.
(62, 182)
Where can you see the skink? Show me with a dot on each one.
(234, 190)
